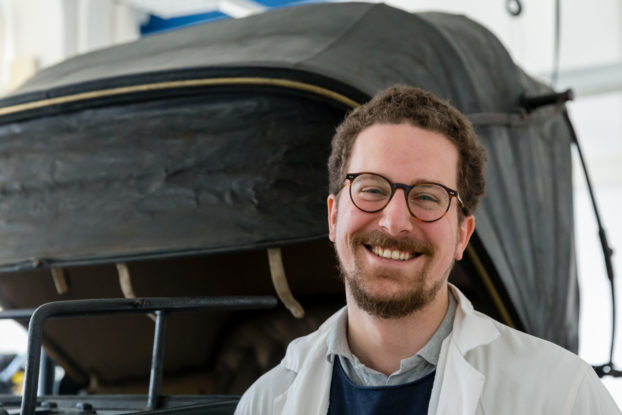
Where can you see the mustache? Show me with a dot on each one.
(376, 238)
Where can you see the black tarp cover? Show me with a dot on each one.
(214, 138)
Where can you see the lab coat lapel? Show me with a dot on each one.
(309, 393)
(461, 386)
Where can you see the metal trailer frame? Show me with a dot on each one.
(153, 402)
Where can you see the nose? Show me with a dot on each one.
(395, 217)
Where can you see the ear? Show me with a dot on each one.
(465, 230)
(331, 203)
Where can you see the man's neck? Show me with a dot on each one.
(381, 344)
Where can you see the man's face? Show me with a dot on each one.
(387, 287)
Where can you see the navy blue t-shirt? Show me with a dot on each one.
(347, 398)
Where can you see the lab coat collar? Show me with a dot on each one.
(471, 329)
(458, 385)
(309, 361)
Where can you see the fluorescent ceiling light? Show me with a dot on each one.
(167, 9)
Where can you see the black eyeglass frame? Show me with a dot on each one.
(406, 188)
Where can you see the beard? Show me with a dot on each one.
(416, 295)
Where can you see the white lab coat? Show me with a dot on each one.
(484, 368)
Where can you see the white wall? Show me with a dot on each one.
(599, 127)
(35, 34)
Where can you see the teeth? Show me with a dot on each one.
(391, 254)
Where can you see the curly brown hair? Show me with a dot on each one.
(420, 108)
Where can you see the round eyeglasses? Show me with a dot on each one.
(427, 202)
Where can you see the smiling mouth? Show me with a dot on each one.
(392, 253)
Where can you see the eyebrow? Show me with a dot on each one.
(425, 181)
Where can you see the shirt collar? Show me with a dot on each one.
(337, 340)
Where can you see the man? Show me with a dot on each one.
(406, 174)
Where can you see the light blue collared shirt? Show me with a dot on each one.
(411, 368)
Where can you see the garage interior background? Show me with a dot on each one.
(572, 44)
